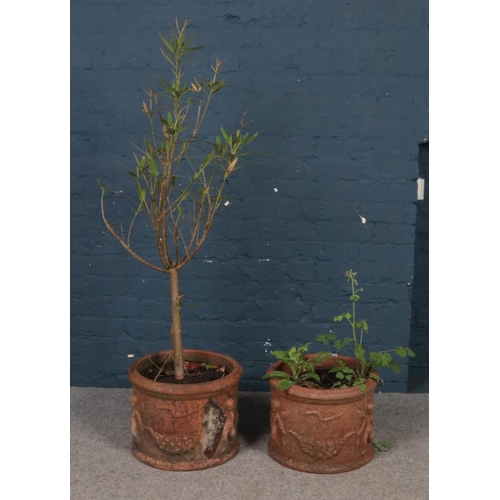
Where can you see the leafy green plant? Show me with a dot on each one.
(304, 371)
(180, 175)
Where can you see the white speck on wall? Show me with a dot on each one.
(130, 355)
(264, 260)
(226, 204)
(275, 190)
(208, 261)
(363, 220)
(267, 345)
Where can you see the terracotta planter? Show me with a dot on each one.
(322, 431)
(185, 426)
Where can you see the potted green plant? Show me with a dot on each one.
(322, 404)
(184, 401)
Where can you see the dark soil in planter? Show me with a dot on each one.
(194, 375)
(328, 379)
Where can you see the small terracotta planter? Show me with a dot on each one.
(185, 427)
(321, 430)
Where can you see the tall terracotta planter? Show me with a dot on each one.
(321, 430)
(185, 427)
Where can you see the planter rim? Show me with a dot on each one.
(321, 396)
(186, 391)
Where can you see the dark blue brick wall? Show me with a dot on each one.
(418, 373)
(339, 93)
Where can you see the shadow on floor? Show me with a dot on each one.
(253, 409)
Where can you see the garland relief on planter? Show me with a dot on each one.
(323, 431)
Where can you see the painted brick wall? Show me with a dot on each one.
(339, 93)
(418, 372)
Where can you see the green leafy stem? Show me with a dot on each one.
(304, 370)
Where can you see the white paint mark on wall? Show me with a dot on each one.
(208, 261)
(420, 188)
(267, 346)
(363, 220)
(264, 260)
(130, 355)
(275, 190)
(227, 203)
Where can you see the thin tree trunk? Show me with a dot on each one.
(176, 333)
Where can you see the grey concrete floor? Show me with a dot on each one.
(103, 467)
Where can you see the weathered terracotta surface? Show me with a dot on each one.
(322, 431)
(185, 426)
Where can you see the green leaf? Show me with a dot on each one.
(382, 445)
(283, 355)
(277, 374)
(361, 324)
(207, 160)
(184, 196)
(324, 338)
(359, 352)
(314, 376)
(168, 44)
(141, 193)
(283, 385)
(303, 348)
(250, 139)
(154, 168)
(340, 344)
(395, 367)
(401, 352)
(354, 297)
(224, 133)
(411, 353)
